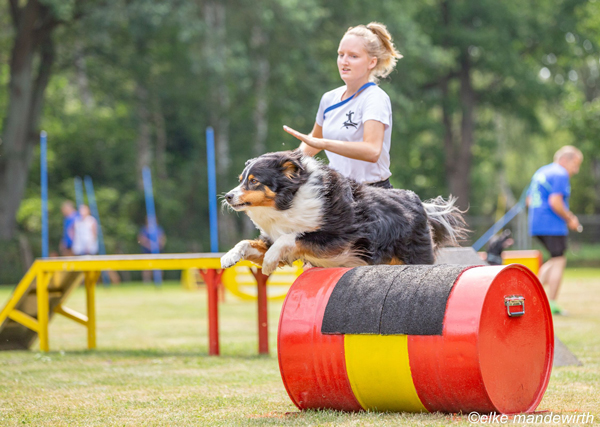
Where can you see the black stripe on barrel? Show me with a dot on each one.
(391, 300)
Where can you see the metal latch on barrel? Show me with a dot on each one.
(515, 305)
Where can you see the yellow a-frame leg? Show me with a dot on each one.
(43, 306)
(91, 277)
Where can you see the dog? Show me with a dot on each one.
(497, 245)
(307, 211)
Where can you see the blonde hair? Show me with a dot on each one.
(378, 44)
(568, 152)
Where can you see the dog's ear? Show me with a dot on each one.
(291, 165)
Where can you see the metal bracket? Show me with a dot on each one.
(515, 301)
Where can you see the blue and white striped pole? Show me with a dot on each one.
(44, 183)
(212, 190)
(152, 224)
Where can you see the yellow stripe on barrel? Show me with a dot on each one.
(379, 372)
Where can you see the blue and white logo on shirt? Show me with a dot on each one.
(349, 123)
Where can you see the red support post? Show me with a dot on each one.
(221, 292)
(212, 278)
(263, 325)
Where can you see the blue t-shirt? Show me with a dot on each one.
(543, 221)
(69, 228)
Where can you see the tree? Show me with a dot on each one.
(495, 47)
(32, 57)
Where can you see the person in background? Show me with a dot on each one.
(70, 215)
(85, 241)
(550, 218)
(144, 239)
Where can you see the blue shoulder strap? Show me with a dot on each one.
(339, 104)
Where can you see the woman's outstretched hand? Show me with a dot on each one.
(317, 143)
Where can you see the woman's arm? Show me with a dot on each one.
(317, 132)
(368, 150)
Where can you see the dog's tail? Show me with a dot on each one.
(446, 221)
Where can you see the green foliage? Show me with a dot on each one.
(63, 10)
(534, 65)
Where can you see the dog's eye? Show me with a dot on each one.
(253, 181)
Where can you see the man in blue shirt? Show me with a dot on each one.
(549, 216)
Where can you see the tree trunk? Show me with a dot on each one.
(458, 155)
(26, 252)
(461, 180)
(83, 83)
(502, 138)
(449, 143)
(34, 25)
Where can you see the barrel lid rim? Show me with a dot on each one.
(550, 329)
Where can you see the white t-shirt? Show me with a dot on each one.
(85, 239)
(346, 123)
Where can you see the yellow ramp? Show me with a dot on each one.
(46, 286)
(22, 307)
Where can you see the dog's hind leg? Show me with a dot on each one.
(396, 261)
(420, 254)
(251, 250)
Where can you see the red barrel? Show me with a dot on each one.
(416, 338)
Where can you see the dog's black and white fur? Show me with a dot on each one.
(306, 210)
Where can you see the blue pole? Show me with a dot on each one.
(498, 226)
(89, 188)
(151, 215)
(44, 183)
(78, 192)
(212, 190)
(508, 216)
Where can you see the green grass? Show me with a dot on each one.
(583, 255)
(151, 367)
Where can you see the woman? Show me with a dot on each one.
(354, 121)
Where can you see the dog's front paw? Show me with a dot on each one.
(231, 258)
(269, 264)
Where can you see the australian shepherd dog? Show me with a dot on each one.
(306, 210)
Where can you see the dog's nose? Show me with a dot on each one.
(229, 197)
